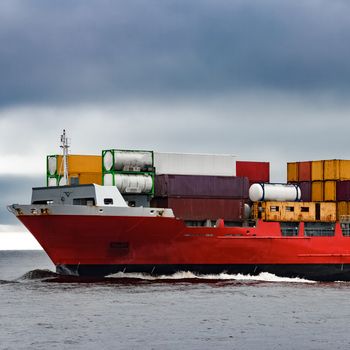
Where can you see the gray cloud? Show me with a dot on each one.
(69, 52)
(16, 189)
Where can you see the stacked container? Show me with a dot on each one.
(82, 169)
(323, 180)
(254, 171)
(132, 171)
(194, 164)
(200, 197)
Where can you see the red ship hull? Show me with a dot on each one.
(95, 245)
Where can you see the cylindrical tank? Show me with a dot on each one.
(52, 165)
(274, 192)
(130, 183)
(124, 160)
(247, 211)
(51, 181)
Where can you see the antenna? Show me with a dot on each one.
(65, 146)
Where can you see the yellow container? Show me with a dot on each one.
(305, 212)
(295, 211)
(328, 211)
(330, 191)
(343, 209)
(317, 194)
(317, 170)
(344, 170)
(272, 211)
(78, 164)
(292, 172)
(331, 169)
(267, 211)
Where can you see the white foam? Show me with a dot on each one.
(264, 276)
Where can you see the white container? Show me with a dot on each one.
(274, 192)
(127, 160)
(194, 164)
(129, 183)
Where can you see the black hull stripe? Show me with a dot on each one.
(316, 272)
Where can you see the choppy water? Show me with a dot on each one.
(39, 311)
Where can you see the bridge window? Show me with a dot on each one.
(108, 201)
(84, 201)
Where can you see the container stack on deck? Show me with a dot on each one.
(202, 197)
(200, 188)
(323, 181)
(82, 169)
(132, 171)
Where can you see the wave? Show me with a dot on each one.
(137, 278)
(38, 274)
(186, 275)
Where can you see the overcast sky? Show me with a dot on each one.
(263, 80)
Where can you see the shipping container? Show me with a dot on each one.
(130, 183)
(343, 190)
(200, 209)
(317, 191)
(254, 171)
(344, 170)
(127, 160)
(305, 188)
(195, 186)
(87, 178)
(330, 191)
(343, 209)
(304, 171)
(317, 167)
(76, 164)
(295, 211)
(331, 169)
(194, 164)
(292, 172)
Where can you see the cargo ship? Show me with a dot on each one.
(93, 230)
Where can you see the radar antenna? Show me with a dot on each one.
(65, 145)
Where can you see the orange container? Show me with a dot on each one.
(292, 172)
(344, 170)
(330, 191)
(317, 170)
(86, 178)
(317, 193)
(78, 164)
(331, 169)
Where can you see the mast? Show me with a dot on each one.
(65, 146)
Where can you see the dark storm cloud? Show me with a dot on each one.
(69, 51)
(16, 189)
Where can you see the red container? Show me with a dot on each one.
(343, 190)
(200, 186)
(200, 209)
(254, 171)
(304, 171)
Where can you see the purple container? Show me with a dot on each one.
(305, 187)
(200, 186)
(203, 208)
(343, 190)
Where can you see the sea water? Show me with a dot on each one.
(183, 311)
